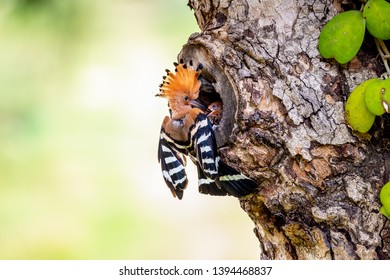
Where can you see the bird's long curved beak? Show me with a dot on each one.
(197, 104)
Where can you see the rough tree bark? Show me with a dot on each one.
(283, 125)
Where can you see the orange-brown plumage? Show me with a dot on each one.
(181, 88)
(185, 81)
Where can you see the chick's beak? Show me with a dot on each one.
(213, 113)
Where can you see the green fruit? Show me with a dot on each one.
(356, 113)
(342, 36)
(383, 212)
(377, 15)
(384, 196)
(373, 96)
(386, 95)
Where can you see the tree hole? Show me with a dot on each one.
(215, 87)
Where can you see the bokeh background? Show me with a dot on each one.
(79, 126)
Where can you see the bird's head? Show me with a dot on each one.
(215, 108)
(181, 88)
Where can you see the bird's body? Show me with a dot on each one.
(189, 132)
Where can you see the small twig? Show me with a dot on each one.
(384, 53)
(362, 7)
(384, 48)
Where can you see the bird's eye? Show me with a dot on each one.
(186, 98)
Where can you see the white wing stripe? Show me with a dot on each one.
(170, 159)
(203, 138)
(208, 160)
(176, 170)
(233, 177)
(180, 181)
(167, 177)
(205, 149)
(209, 171)
(205, 181)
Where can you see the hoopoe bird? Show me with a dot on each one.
(189, 132)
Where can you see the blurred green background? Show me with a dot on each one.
(79, 125)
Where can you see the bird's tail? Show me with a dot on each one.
(230, 182)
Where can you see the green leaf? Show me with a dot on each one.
(356, 113)
(377, 97)
(377, 15)
(384, 196)
(342, 36)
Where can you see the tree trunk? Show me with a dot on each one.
(283, 125)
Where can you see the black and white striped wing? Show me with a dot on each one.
(234, 182)
(216, 177)
(208, 185)
(172, 166)
(205, 146)
(230, 182)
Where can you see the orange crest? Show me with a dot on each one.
(185, 80)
